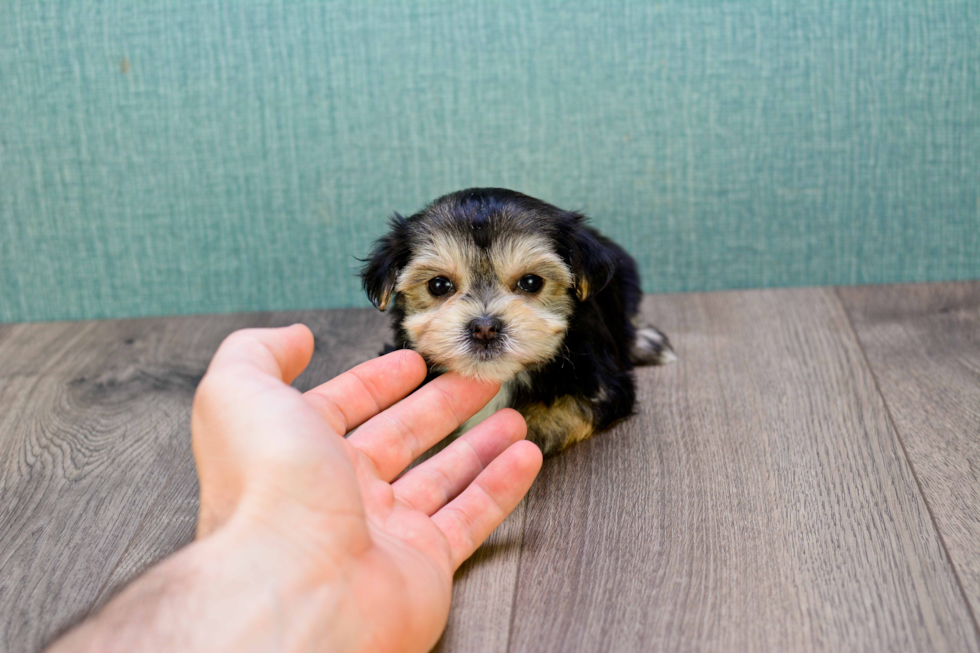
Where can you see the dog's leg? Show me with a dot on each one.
(567, 421)
(651, 347)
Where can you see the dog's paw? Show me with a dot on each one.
(651, 347)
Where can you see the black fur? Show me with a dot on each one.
(390, 254)
(596, 352)
(594, 362)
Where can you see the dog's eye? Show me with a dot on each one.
(530, 283)
(439, 286)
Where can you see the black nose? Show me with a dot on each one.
(485, 329)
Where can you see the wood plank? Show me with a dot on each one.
(759, 500)
(923, 345)
(30, 349)
(5, 332)
(772, 511)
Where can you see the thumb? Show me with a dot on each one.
(283, 353)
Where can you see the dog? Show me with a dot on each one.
(496, 285)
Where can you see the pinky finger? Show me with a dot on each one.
(468, 520)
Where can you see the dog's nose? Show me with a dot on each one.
(485, 329)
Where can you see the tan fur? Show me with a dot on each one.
(385, 298)
(516, 256)
(485, 283)
(442, 255)
(567, 421)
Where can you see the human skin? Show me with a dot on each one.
(310, 541)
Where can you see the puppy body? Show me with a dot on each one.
(494, 284)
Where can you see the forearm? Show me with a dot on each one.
(227, 592)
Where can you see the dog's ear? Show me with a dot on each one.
(592, 261)
(389, 255)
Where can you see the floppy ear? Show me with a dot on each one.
(389, 256)
(592, 260)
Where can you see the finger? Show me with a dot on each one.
(428, 487)
(468, 520)
(399, 435)
(362, 392)
(283, 353)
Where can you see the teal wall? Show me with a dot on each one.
(180, 157)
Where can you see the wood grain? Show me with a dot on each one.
(923, 345)
(168, 525)
(758, 501)
(5, 331)
(36, 349)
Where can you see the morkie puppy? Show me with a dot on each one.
(497, 285)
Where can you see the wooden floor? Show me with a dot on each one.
(806, 477)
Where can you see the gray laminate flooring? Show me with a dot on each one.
(805, 477)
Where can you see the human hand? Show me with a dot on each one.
(305, 539)
(274, 461)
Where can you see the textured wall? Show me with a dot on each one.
(175, 157)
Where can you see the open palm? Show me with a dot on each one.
(269, 455)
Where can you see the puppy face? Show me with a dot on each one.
(485, 312)
(483, 282)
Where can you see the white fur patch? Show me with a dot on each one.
(500, 400)
(652, 348)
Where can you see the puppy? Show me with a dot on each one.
(497, 285)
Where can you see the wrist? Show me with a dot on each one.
(238, 589)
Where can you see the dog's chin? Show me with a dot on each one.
(485, 365)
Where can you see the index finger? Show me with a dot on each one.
(360, 393)
(396, 437)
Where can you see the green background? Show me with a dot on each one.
(182, 157)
